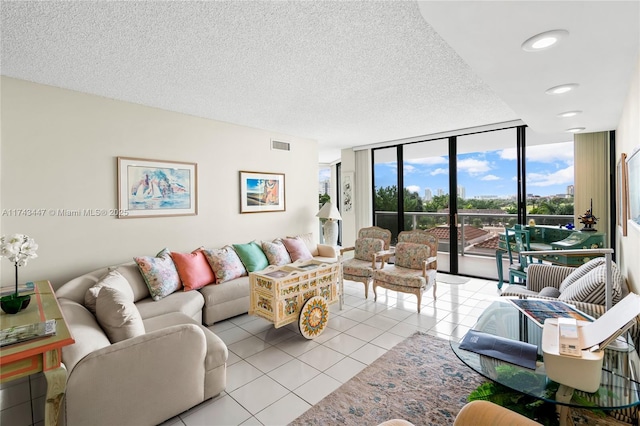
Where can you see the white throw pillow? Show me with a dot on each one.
(113, 279)
(118, 315)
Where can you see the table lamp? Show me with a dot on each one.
(330, 227)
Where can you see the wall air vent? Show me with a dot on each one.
(281, 146)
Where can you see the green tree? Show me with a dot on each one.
(437, 203)
(323, 198)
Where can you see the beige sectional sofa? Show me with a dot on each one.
(175, 363)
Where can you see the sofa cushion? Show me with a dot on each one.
(117, 315)
(297, 249)
(131, 273)
(276, 253)
(193, 269)
(113, 279)
(591, 287)
(225, 263)
(252, 256)
(581, 272)
(160, 274)
(232, 290)
(188, 302)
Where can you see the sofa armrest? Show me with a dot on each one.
(325, 250)
(165, 365)
(540, 275)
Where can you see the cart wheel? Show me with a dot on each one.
(313, 317)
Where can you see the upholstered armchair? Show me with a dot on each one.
(413, 271)
(367, 256)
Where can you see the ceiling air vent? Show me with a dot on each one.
(281, 146)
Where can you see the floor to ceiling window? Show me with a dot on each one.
(466, 189)
(549, 182)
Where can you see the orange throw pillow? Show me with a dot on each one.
(193, 269)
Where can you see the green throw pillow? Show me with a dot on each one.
(252, 256)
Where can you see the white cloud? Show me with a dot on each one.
(429, 161)
(439, 172)
(413, 188)
(548, 153)
(473, 166)
(409, 169)
(560, 177)
(490, 177)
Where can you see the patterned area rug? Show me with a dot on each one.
(419, 380)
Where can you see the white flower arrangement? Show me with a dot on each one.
(18, 248)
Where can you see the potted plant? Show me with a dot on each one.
(18, 248)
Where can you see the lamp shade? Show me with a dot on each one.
(329, 211)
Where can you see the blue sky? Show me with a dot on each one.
(488, 173)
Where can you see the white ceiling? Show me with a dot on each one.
(343, 73)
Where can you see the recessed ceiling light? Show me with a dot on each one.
(569, 114)
(563, 88)
(544, 40)
(575, 130)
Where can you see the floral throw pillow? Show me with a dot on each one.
(276, 253)
(225, 263)
(160, 274)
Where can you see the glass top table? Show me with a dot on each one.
(619, 385)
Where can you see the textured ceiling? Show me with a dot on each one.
(343, 73)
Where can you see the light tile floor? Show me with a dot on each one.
(275, 375)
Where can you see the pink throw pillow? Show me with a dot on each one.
(193, 269)
(297, 249)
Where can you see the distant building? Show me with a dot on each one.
(570, 190)
(324, 187)
(440, 191)
(486, 197)
(428, 195)
(461, 192)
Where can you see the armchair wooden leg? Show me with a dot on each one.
(375, 294)
(366, 289)
(419, 294)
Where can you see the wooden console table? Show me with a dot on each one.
(43, 354)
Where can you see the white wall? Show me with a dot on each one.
(628, 139)
(59, 151)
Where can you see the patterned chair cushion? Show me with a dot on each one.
(356, 268)
(394, 276)
(411, 255)
(367, 247)
(591, 287)
(581, 272)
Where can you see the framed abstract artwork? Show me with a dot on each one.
(151, 188)
(261, 192)
(347, 192)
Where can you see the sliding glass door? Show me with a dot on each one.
(463, 189)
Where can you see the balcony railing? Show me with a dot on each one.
(470, 243)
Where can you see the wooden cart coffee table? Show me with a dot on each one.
(301, 291)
